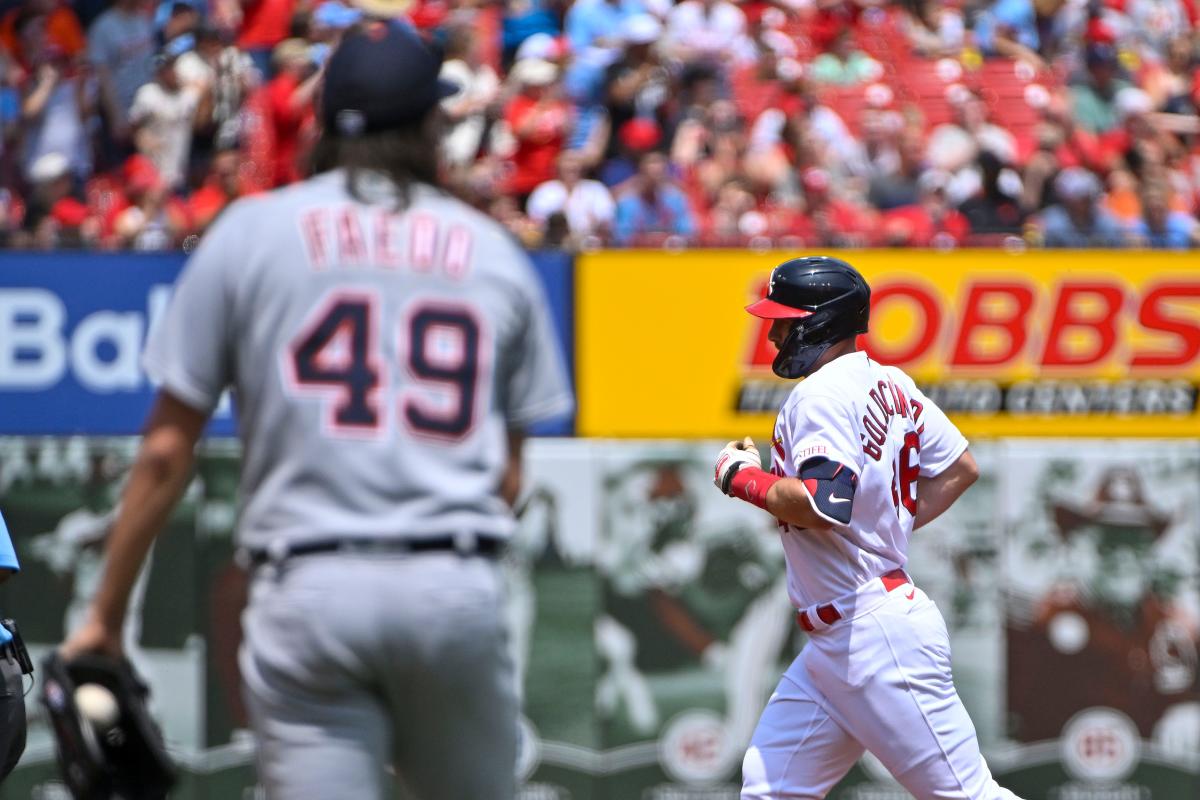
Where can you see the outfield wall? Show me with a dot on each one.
(648, 613)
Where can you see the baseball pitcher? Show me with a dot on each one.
(859, 458)
(387, 346)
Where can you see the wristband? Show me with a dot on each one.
(752, 484)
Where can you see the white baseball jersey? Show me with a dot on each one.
(875, 421)
(377, 356)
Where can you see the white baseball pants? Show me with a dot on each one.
(878, 679)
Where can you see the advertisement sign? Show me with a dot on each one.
(1035, 344)
(73, 325)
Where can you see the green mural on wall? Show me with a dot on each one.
(650, 622)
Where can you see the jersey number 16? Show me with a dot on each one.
(905, 471)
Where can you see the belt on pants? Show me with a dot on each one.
(822, 616)
(468, 544)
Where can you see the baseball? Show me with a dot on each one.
(97, 705)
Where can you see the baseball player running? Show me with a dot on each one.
(859, 458)
(387, 345)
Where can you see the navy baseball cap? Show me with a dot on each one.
(382, 75)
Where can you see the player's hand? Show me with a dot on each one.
(93, 637)
(731, 459)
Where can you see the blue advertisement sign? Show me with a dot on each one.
(73, 325)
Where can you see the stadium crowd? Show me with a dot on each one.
(786, 123)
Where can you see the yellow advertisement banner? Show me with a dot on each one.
(1069, 343)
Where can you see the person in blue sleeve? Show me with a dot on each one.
(12, 687)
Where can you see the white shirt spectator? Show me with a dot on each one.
(479, 87)
(588, 205)
(165, 122)
(712, 29)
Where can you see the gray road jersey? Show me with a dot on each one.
(377, 360)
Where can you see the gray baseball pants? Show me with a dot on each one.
(352, 664)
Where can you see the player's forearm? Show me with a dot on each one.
(935, 495)
(157, 480)
(790, 502)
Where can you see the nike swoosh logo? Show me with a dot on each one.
(911, 594)
(833, 499)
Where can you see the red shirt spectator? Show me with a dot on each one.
(265, 23)
(222, 186)
(835, 222)
(539, 121)
(289, 98)
(930, 222)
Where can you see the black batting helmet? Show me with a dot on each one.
(829, 300)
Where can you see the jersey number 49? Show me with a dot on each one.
(439, 346)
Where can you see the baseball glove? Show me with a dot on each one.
(115, 753)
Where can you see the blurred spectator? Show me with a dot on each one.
(1123, 200)
(736, 220)
(329, 22)
(53, 217)
(933, 28)
(175, 18)
(651, 208)
(709, 32)
(995, 205)
(164, 113)
(522, 19)
(263, 24)
(1077, 220)
(227, 75)
(221, 187)
(1093, 93)
(468, 110)
(709, 146)
(505, 210)
(1009, 28)
(1171, 83)
(586, 205)
(930, 222)
(56, 103)
(896, 186)
(121, 50)
(540, 120)
(593, 27)
(638, 85)
(634, 139)
(769, 138)
(954, 145)
(843, 64)
(1154, 24)
(835, 222)
(150, 218)
(62, 30)
(1161, 228)
(289, 106)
